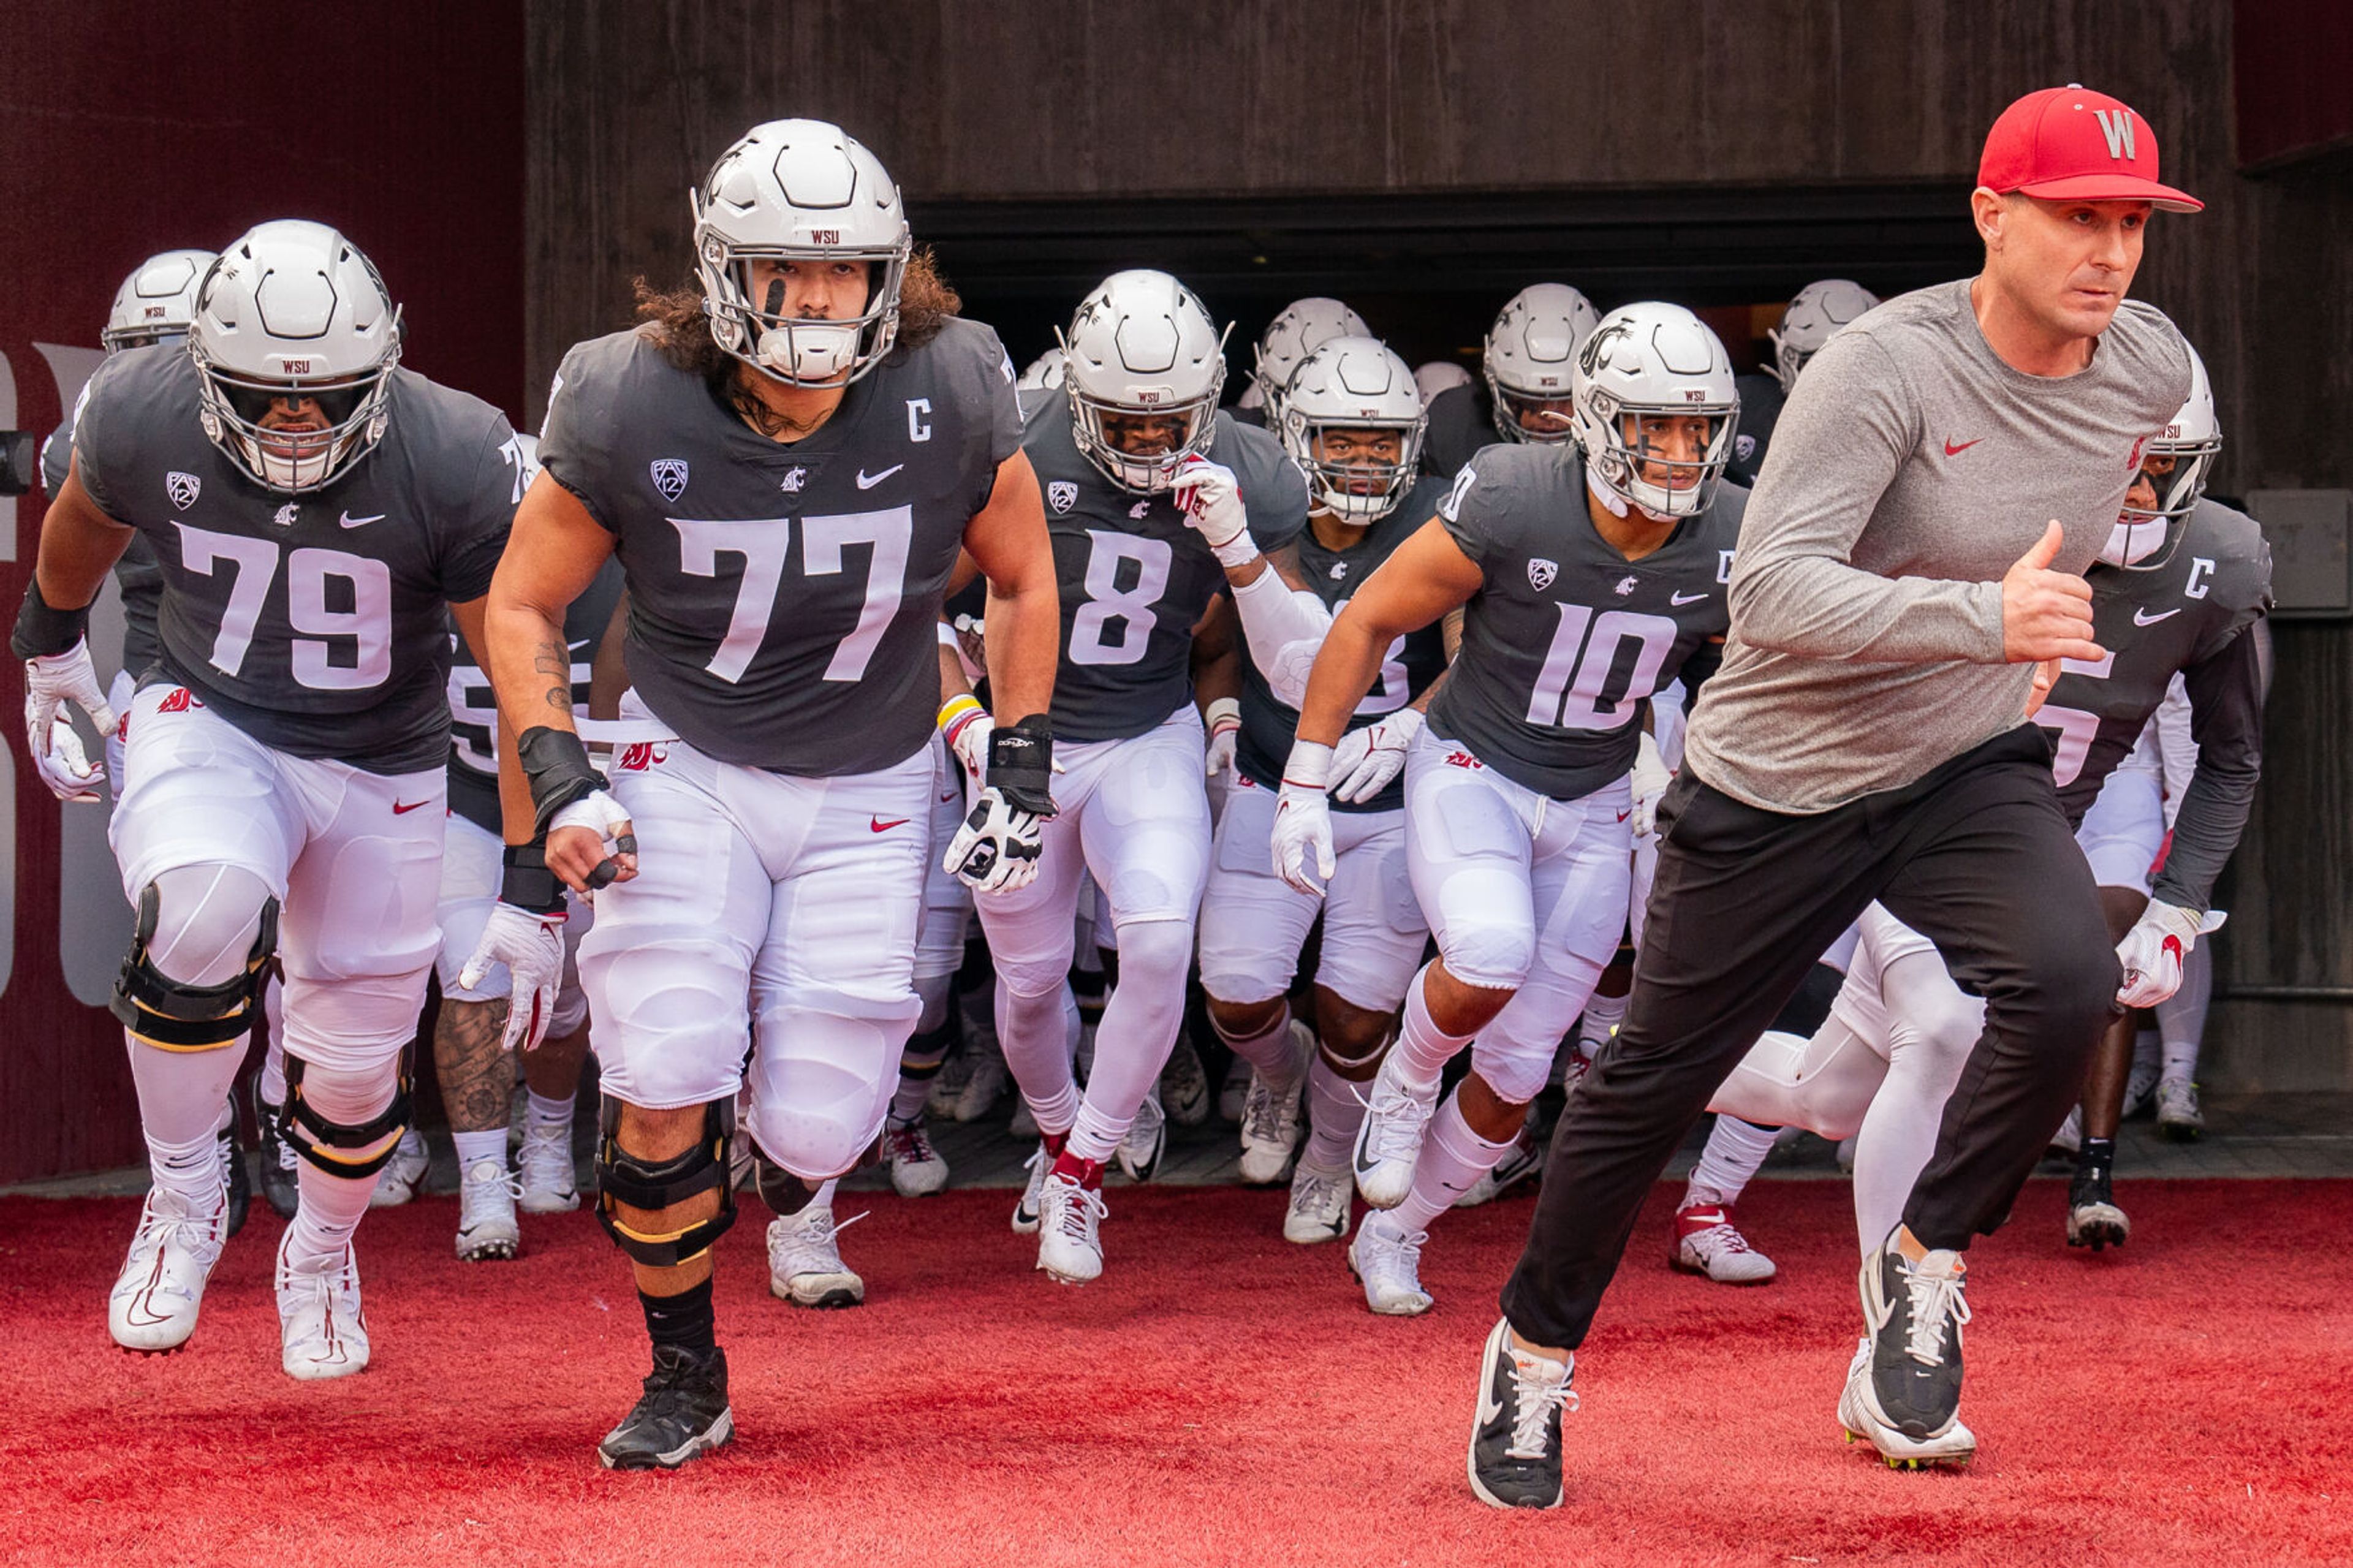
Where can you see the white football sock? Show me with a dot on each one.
(1040, 1035)
(473, 1148)
(546, 1113)
(1603, 1014)
(1333, 1116)
(181, 1097)
(1138, 1031)
(2182, 1017)
(1735, 1151)
(1423, 1048)
(1269, 1050)
(1453, 1158)
(331, 1205)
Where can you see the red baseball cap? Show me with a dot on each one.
(2069, 143)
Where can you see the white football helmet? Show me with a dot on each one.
(1045, 373)
(156, 302)
(1354, 383)
(2175, 463)
(1141, 346)
(802, 189)
(1438, 376)
(1810, 320)
(1654, 361)
(1299, 329)
(1530, 356)
(293, 309)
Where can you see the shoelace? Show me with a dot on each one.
(548, 1155)
(471, 1191)
(1081, 1210)
(1721, 1236)
(192, 1233)
(1534, 1401)
(1934, 1299)
(913, 1144)
(1260, 1120)
(1399, 1118)
(819, 1229)
(1317, 1192)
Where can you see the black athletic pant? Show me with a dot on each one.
(1976, 856)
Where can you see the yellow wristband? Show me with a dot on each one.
(955, 708)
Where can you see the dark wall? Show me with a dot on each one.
(130, 129)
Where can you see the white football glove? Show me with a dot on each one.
(1302, 837)
(1366, 760)
(972, 647)
(1212, 503)
(601, 815)
(1225, 719)
(532, 947)
(50, 681)
(997, 845)
(1286, 673)
(2153, 952)
(1649, 780)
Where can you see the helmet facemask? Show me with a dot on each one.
(797, 350)
(2143, 537)
(232, 407)
(1552, 426)
(1619, 462)
(1137, 472)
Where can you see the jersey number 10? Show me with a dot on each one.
(1577, 666)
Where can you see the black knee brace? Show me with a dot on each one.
(174, 1016)
(320, 1141)
(927, 1052)
(623, 1178)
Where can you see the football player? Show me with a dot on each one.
(786, 459)
(1812, 315)
(1156, 501)
(318, 515)
(1298, 330)
(1352, 422)
(1591, 574)
(1524, 368)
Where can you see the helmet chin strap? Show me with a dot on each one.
(805, 350)
(1619, 505)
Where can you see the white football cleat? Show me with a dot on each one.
(1389, 1141)
(403, 1173)
(551, 1183)
(917, 1169)
(1184, 1084)
(804, 1265)
(162, 1286)
(2178, 1115)
(1388, 1266)
(985, 1088)
(1707, 1242)
(1231, 1092)
(487, 1228)
(1522, 1160)
(1070, 1231)
(1319, 1205)
(1271, 1120)
(947, 1086)
(322, 1327)
(1146, 1141)
(1026, 1211)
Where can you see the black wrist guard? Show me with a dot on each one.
(43, 631)
(556, 763)
(1021, 765)
(527, 883)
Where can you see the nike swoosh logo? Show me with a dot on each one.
(351, 521)
(1489, 1408)
(1954, 451)
(398, 809)
(868, 481)
(876, 825)
(1625, 814)
(2141, 618)
(1686, 599)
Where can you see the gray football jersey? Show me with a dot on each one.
(784, 599)
(317, 624)
(137, 576)
(2184, 618)
(1761, 410)
(1412, 662)
(474, 706)
(1461, 424)
(1135, 578)
(1566, 639)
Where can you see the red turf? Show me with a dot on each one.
(1220, 1397)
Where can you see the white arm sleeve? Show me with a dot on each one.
(1275, 616)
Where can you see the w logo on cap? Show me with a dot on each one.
(2117, 125)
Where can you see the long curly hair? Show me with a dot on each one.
(675, 318)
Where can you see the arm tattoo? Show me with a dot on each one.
(553, 659)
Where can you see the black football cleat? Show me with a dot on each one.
(2093, 1220)
(1514, 1459)
(682, 1413)
(237, 1175)
(280, 1188)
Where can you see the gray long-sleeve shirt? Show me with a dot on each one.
(1910, 467)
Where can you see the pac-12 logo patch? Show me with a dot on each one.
(1061, 494)
(1541, 574)
(182, 489)
(669, 476)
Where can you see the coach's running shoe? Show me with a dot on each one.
(1146, 1141)
(1071, 1212)
(487, 1227)
(1389, 1141)
(1515, 1458)
(1271, 1116)
(1522, 1162)
(162, 1286)
(2178, 1116)
(2093, 1220)
(550, 1180)
(1234, 1090)
(322, 1330)
(1387, 1263)
(403, 1173)
(1957, 1446)
(281, 1187)
(1707, 1242)
(804, 1265)
(682, 1413)
(1319, 1204)
(1184, 1084)
(1026, 1208)
(1913, 1314)
(985, 1088)
(917, 1170)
